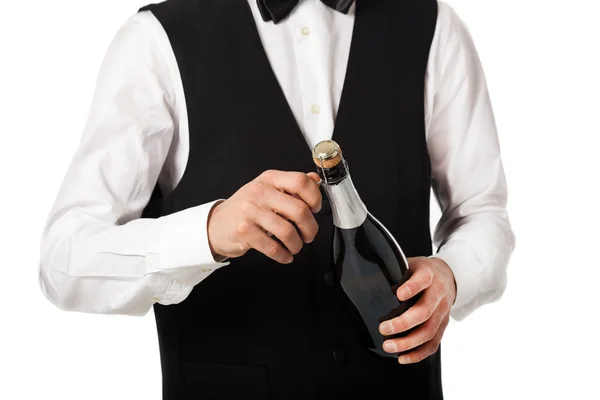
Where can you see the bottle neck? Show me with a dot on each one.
(347, 208)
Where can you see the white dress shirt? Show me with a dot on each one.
(99, 256)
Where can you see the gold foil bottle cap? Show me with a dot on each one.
(327, 154)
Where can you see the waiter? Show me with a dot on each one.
(198, 144)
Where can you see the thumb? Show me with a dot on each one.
(414, 262)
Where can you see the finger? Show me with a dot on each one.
(427, 349)
(280, 227)
(416, 315)
(422, 334)
(420, 280)
(293, 209)
(296, 183)
(260, 241)
(314, 176)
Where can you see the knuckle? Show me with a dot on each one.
(301, 210)
(429, 276)
(257, 189)
(300, 180)
(271, 248)
(242, 248)
(247, 207)
(430, 333)
(268, 173)
(242, 228)
(295, 249)
(398, 324)
(403, 345)
(440, 287)
(286, 230)
(430, 309)
(424, 313)
(309, 237)
(305, 212)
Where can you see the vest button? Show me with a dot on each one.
(329, 279)
(338, 355)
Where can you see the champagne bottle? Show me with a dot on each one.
(369, 263)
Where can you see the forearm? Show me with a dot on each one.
(474, 235)
(477, 248)
(92, 266)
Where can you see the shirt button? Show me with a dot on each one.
(316, 109)
(305, 31)
(338, 355)
(329, 279)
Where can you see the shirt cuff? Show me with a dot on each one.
(460, 260)
(184, 239)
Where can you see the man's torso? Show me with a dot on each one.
(257, 329)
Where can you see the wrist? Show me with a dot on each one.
(451, 278)
(210, 225)
(183, 239)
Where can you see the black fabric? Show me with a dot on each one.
(260, 330)
(277, 10)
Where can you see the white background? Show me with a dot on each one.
(539, 342)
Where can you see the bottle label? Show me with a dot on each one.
(348, 210)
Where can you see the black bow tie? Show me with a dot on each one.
(277, 10)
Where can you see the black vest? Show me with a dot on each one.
(256, 329)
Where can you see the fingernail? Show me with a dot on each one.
(386, 328)
(406, 293)
(290, 259)
(404, 360)
(389, 346)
